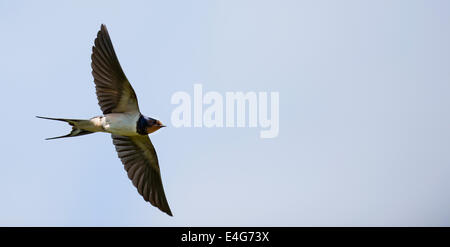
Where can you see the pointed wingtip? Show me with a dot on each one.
(166, 210)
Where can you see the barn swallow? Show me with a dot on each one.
(122, 118)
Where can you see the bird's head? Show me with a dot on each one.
(153, 125)
(146, 125)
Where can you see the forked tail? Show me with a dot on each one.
(73, 122)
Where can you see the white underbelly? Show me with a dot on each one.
(121, 123)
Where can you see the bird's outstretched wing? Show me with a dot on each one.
(141, 163)
(114, 92)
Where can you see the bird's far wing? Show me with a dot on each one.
(141, 163)
(114, 92)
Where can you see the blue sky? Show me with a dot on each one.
(364, 112)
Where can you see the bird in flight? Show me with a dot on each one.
(122, 118)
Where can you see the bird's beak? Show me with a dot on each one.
(162, 126)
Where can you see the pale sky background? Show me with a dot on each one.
(364, 112)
